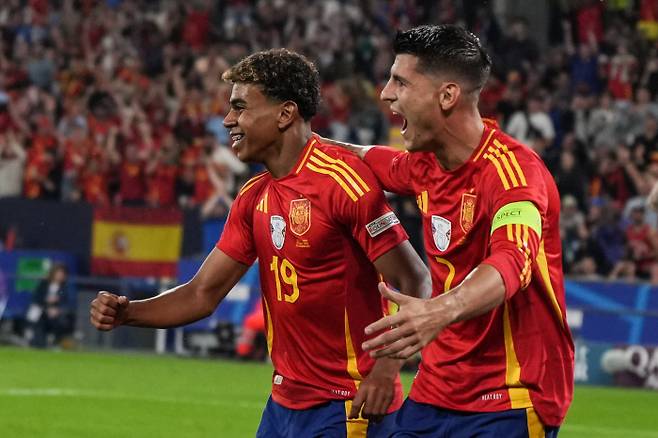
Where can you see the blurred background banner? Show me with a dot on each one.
(136, 242)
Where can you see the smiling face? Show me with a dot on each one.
(416, 97)
(252, 122)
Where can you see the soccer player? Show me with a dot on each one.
(321, 229)
(498, 356)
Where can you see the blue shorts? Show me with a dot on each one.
(423, 420)
(327, 420)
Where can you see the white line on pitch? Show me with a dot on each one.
(68, 392)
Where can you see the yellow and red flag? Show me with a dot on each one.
(136, 242)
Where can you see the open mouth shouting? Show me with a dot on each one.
(403, 129)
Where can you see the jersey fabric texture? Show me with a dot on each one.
(501, 208)
(316, 233)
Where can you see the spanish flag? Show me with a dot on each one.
(136, 242)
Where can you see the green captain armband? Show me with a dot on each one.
(521, 213)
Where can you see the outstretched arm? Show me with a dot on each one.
(419, 321)
(181, 305)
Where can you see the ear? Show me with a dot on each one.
(287, 114)
(449, 94)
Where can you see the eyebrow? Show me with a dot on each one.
(399, 78)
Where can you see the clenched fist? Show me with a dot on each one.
(108, 310)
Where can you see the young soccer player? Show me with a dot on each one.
(320, 227)
(498, 356)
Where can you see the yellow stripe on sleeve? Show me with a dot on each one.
(507, 166)
(542, 263)
(315, 160)
(343, 164)
(422, 201)
(513, 159)
(337, 178)
(501, 174)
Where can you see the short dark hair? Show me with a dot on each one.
(282, 75)
(446, 48)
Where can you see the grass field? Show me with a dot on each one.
(64, 394)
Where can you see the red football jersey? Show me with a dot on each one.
(316, 233)
(520, 354)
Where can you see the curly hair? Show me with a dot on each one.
(281, 75)
(446, 48)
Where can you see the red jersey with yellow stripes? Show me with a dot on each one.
(519, 355)
(316, 233)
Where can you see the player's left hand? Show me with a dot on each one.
(375, 394)
(415, 325)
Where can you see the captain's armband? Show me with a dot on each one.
(521, 213)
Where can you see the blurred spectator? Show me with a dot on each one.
(608, 236)
(519, 51)
(51, 314)
(645, 144)
(12, 161)
(573, 229)
(641, 258)
(570, 178)
(532, 126)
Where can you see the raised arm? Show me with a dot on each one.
(180, 305)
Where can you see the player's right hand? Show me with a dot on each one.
(108, 310)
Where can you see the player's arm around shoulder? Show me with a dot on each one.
(359, 150)
(394, 169)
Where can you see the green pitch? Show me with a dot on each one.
(63, 394)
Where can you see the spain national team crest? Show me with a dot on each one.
(441, 231)
(278, 231)
(467, 215)
(300, 216)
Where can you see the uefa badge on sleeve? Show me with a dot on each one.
(278, 231)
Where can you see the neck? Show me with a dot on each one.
(286, 151)
(460, 138)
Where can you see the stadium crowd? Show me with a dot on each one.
(119, 102)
